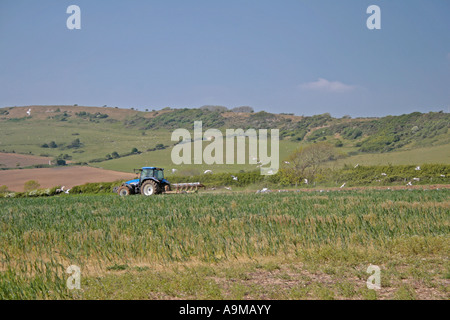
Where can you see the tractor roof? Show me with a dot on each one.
(152, 168)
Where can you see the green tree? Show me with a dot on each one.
(75, 144)
(115, 155)
(31, 185)
(52, 145)
(305, 161)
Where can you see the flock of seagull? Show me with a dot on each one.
(306, 180)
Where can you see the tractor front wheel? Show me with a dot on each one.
(149, 188)
(123, 191)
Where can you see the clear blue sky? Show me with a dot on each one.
(293, 56)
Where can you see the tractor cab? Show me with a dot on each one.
(151, 172)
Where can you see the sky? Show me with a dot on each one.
(291, 56)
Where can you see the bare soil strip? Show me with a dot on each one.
(13, 160)
(61, 176)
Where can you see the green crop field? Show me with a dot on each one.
(297, 245)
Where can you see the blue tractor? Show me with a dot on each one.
(150, 181)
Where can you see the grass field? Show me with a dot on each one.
(306, 245)
(101, 137)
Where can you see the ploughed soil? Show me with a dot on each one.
(15, 160)
(59, 176)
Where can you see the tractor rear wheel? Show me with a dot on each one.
(149, 188)
(123, 191)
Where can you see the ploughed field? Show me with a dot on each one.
(293, 245)
(59, 176)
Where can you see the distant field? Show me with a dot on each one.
(60, 176)
(98, 139)
(14, 160)
(120, 133)
(435, 154)
(306, 245)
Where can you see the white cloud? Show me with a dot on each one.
(325, 85)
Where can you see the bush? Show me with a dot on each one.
(75, 144)
(31, 185)
(52, 145)
(115, 155)
(95, 188)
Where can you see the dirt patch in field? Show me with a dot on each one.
(61, 176)
(14, 160)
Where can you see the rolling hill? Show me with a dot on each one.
(123, 139)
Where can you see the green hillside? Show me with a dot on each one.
(123, 139)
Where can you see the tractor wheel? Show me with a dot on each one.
(123, 191)
(149, 188)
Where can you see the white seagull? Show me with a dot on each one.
(207, 171)
(234, 178)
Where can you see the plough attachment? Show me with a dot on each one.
(185, 187)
